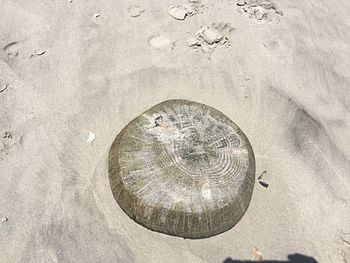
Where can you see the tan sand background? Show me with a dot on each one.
(286, 84)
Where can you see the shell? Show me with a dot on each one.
(91, 137)
(177, 12)
(182, 168)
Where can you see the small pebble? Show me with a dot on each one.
(177, 12)
(135, 10)
(4, 219)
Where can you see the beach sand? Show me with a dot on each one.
(71, 68)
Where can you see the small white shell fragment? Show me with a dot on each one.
(135, 10)
(97, 15)
(160, 42)
(92, 137)
(177, 12)
(4, 219)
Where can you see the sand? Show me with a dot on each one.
(66, 72)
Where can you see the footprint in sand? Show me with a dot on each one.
(260, 10)
(12, 49)
(160, 43)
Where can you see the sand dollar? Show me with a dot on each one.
(184, 169)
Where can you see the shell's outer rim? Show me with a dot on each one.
(249, 175)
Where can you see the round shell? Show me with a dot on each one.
(184, 169)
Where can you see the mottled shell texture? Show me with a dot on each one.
(184, 169)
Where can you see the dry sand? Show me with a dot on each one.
(70, 67)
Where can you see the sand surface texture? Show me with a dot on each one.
(74, 73)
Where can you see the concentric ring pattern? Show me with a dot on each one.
(184, 169)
